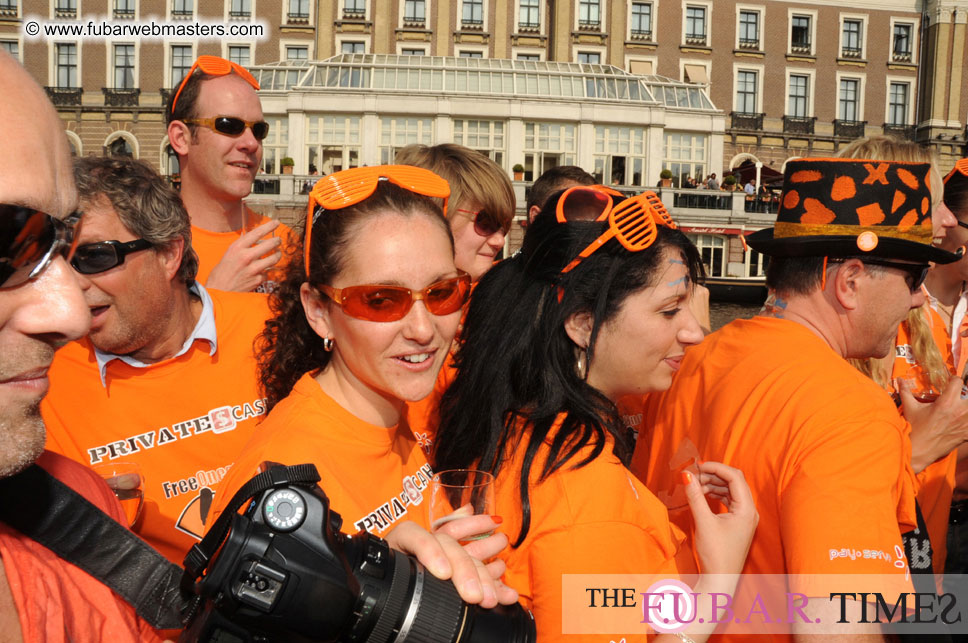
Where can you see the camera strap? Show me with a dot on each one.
(40, 506)
(275, 475)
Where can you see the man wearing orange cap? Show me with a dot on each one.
(825, 452)
(216, 127)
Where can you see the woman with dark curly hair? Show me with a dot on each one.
(588, 312)
(363, 322)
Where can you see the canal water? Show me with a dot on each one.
(721, 313)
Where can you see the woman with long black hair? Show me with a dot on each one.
(593, 308)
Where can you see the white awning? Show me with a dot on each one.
(696, 74)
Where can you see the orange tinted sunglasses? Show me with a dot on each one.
(633, 221)
(380, 303)
(349, 187)
(961, 167)
(215, 66)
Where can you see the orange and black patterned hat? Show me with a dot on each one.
(852, 208)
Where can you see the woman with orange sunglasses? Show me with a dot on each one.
(363, 321)
(593, 308)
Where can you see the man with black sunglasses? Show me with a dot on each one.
(216, 126)
(166, 379)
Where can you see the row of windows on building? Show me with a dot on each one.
(640, 19)
(850, 96)
(748, 81)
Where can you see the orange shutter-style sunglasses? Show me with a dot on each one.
(632, 221)
(349, 187)
(961, 167)
(215, 66)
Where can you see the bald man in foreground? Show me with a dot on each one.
(41, 307)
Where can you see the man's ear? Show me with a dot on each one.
(179, 137)
(533, 212)
(845, 282)
(171, 256)
(579, 327)
(316, 309)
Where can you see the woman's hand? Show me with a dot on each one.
(722, 540)
(445, 558)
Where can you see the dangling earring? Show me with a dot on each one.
(581, 365)
(328, 344)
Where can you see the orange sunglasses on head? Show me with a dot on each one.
(632, 221)
(349, 187)
(381, 303)
(961, 167)
(215, 66)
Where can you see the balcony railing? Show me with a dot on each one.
(65, 96)
(903, 132)
(749, 43)
(8, 10)
(121, 97)
(297, 18)
(240, 15)
(472, 24)
(589, 25)
(746, 120)
(800, 48)
(849, 129)
(850, 52)
(529, 26)
(353, 13)
(901, 56)
(414, 21)
(182, 14)
(65, 12)
(124, 14)
(696, 39)
(702, 199)
(639, 34)
(798, 124)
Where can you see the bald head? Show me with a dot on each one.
(35, 163)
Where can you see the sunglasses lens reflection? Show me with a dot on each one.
(94, 258)
(25, 237)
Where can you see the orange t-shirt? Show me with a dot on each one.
(211, 246)
(594, 520)
(936, 482)
(182, 420)
(825, 452)
(56, 601)
(375, 477)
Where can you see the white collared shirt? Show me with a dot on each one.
(204, 330)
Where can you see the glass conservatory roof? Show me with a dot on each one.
(481, 76)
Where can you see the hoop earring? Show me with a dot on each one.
(581, 364)
(328, 344)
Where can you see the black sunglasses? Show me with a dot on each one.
(232, 125)
(962, 223)
(484, 224)
(915, 275)
(29, 241)
(92, 258)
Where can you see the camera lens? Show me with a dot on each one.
(420, 608)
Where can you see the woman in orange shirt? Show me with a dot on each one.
(362, 323)
(554, 336)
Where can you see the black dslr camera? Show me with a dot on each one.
(286, 573)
